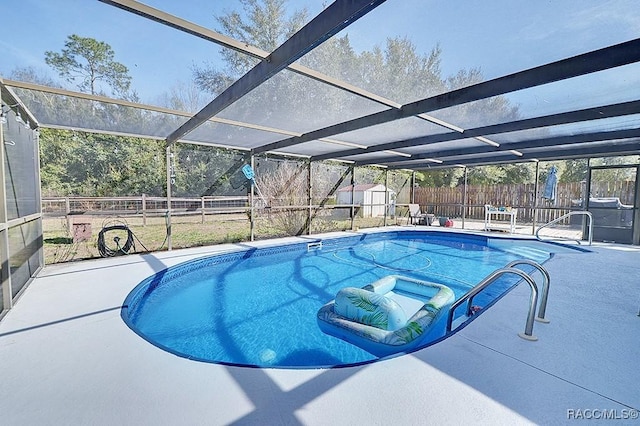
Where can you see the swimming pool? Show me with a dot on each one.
(257, 307)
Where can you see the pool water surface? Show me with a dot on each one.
(258, 307)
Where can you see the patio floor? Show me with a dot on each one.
(68, 358)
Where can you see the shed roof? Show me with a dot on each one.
(363, 187)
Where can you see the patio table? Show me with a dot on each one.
(504, 213)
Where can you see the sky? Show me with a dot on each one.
(497, 36)
(156, 55)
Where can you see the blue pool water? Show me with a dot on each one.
(258, 307)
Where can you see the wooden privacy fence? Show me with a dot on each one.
(446, 201)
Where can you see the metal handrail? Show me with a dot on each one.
(546, 281)
(468, 297)
(564, 216)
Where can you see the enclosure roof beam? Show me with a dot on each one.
(628, 148)
(595, 113)
(453, 155)
(146, 107)
(103, 99)
(517, 146)
(13, 99)
(138, 135)
(185, 26)
(329, 22)
(597, 60)
(255, 52)
(615, 148)
(241, 47)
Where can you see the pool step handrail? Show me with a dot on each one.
(544, 293)
(564, 216)
(491, 278)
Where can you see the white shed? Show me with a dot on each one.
(371, 197)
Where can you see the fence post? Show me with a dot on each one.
(202, 207)
(67, 212)
(144, 209)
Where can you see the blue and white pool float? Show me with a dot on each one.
(371, 318)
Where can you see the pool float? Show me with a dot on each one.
(373, 319)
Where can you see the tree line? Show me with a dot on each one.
(92, 164)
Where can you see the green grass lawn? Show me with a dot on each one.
(186, 231)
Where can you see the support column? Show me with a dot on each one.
(413, 186)
(251, 203)
(310, 198)
(36, 153)
(353, 190)
(535, 198)
(464, 197)
(386, 196)
(635, 239)
(170, 182)
(5, 276)
(585, 201)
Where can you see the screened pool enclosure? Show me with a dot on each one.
(339, 103)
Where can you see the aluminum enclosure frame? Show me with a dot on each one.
(340, 15)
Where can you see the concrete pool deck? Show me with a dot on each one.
(68, 358)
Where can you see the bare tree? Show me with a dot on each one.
(286, 186)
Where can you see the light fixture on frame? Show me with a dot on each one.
(19, 119)
(3, 113)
